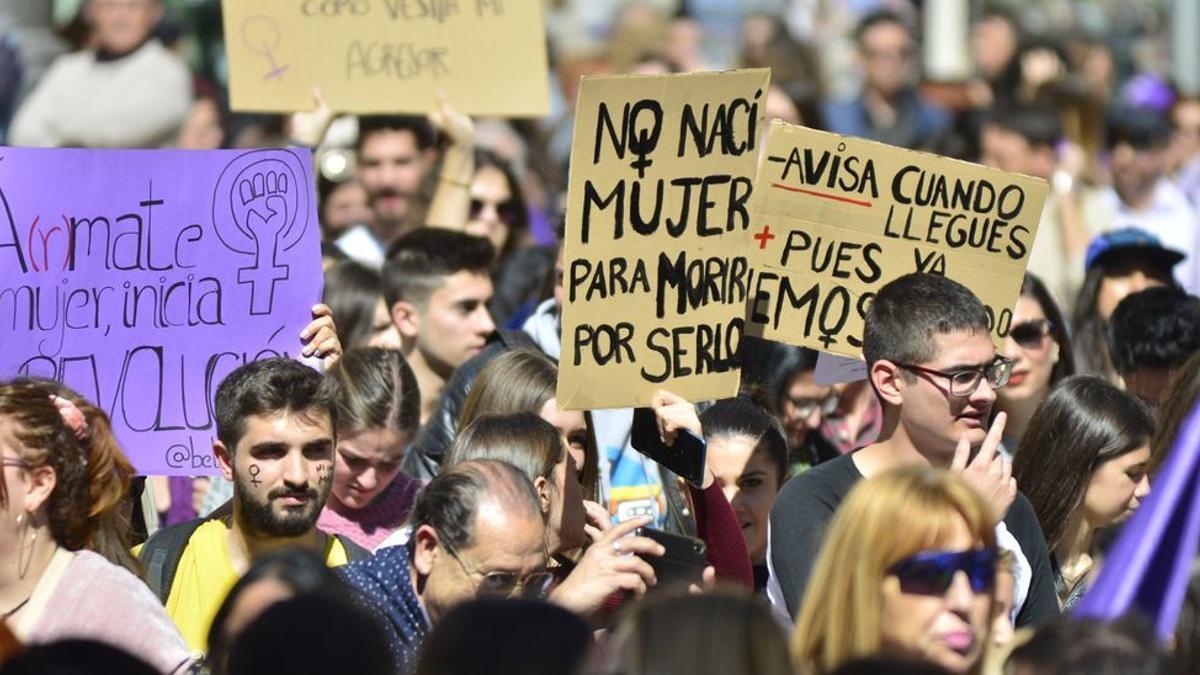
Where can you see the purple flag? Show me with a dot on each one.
(141, 278)
(1147, 569)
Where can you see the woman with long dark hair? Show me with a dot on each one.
(1041, 353)
(1083, 465)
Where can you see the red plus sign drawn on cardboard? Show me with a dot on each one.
(764, 236)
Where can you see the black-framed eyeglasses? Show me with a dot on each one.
(504, 584)
(508, 212)
(963, 383)
(805, 407)
(932, 572)
(1031, 334)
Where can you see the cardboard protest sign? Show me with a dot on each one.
(388, 56)
(141, 278)
(836, 217)
(656, 277)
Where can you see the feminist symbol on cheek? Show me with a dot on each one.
(254, 471)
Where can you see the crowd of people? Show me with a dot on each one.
(422, 503)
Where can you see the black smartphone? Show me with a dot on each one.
(682, 564)
(686, 457)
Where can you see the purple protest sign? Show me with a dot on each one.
(141, 278)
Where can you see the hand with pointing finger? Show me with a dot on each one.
(988, 471)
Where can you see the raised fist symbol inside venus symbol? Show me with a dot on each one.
(256, 209)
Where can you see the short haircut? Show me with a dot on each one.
(266, 387)
(418, 261)
(879, 17)
(374, 388)
(909, 311)
(841, 615)
(450, 502)
(1155, 328)
(419, 127)
(1040, 126)
(1140, 127)
(743, 416)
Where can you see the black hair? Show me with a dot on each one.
(1084, 422)
(1155, 328)
(1126, 645)
(524, 637)
(450, 502)
(374, 388)
(1138, 126)
(76, 657)
(1032, 287)
(1040, 126)
(312, 633)
(892, 665)
(910, 311)
(743, 416)
(302, 571)
(419, 127)
(266, 387)
(880, 17)
(418, 260)
(352, 291)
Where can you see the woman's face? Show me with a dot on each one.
(1033, 357)
(750, 482)
(949, 629)
(383, 331)
(492, 209)
(1117, 487)
(567, 516)
(1119, 283)
(572, 427)
(366, 464)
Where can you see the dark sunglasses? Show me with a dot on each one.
(1031, 334)
(507, 211)
(932, 572)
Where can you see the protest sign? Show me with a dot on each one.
(141, 278)
(834, 218)
(388, 56)
(655, 275)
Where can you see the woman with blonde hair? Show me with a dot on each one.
(919, 586)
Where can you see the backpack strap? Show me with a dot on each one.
(161, 554)
(354, 552)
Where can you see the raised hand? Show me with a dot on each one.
(988, 472)
(612, 563)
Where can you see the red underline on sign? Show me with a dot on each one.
(823, 195)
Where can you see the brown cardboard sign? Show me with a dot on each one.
(837, 217)
(656, 277)
(388, 56)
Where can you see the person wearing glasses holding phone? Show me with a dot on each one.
(918, 587)
(1040, 350)
(931, 361)
(477, 530)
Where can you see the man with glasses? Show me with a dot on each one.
(932, 364)
(477, 529)
(888, 109)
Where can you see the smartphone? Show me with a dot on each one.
(686, 457)
(682, 564)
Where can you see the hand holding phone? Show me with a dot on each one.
(683, 563)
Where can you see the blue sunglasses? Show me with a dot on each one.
(932, 572)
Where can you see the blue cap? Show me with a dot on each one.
(1131, 239)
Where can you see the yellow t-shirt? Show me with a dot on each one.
(204, 577)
